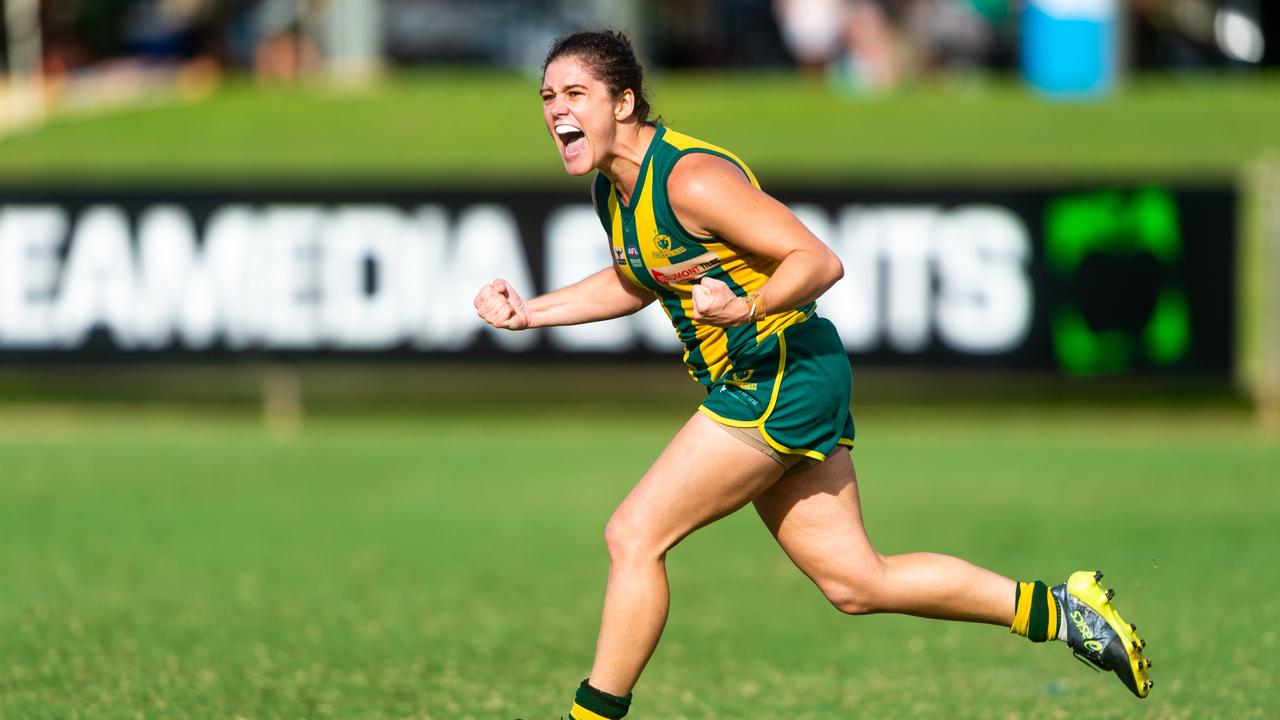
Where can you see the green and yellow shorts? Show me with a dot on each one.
(794, 387)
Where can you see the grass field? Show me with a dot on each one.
(171, 564)
(469, 127)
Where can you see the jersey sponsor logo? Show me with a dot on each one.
(662, 247)
(687, 270)
(619, 256)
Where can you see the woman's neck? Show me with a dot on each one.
(622, 166)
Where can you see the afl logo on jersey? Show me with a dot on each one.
(662, 247)
(686, 271)
(633, 256)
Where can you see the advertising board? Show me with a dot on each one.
(1085, 279)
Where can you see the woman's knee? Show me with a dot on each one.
(852, 601)
(629, 539)
(861, 593)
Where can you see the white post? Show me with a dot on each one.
(1259, 295)
(25, 101)
(353, 39)
(1269, 381)
(282, 401)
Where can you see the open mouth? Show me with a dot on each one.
(572, 139)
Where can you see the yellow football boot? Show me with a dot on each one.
(1097, 634)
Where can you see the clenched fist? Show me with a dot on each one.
(715, 304)
(501, 306)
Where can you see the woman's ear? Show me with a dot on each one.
(625, 105)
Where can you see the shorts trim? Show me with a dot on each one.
(791, 463)
(773, 396)
(773, 401)
(726, 421)
(820, 457)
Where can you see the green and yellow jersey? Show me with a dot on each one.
(654, 252)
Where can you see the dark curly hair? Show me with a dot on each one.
(610, 57)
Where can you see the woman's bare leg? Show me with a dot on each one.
(816, 517)
(703, 474)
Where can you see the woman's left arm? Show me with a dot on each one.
(712, 197)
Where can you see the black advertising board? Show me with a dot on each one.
(1085, 279)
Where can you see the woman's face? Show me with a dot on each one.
(579, 112)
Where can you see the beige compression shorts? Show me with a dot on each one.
(791, 464)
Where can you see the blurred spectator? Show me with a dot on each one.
(98, 54)
(276, 38)
(853, 40)
(79, 34)
(958, 35)
(167, 30)
(873, 57)
(284, 48)
(814, 30)
(865, 46)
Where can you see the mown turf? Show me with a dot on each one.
(451, 127)
(172, 565)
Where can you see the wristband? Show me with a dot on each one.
(758, 311)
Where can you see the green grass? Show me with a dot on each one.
(472, 127)
(169, 564)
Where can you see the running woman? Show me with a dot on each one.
(738, 275)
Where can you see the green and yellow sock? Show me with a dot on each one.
(592, 704)
(1035, 612)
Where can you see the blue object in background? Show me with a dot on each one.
(1069, 46)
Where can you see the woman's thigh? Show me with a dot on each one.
(816, 517)
(702, 475)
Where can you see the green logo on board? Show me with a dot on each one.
(1113, 258)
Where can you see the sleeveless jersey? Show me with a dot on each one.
(654, 252)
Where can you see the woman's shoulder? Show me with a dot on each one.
(703, 188)
(701, 176)
(694, 160)
(682, 142)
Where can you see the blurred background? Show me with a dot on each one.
(259, 458)
(1108, 168)
(870, 44)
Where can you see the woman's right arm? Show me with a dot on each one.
(602, 296)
